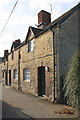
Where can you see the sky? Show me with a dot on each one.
(25, 15)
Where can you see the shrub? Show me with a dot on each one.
(72, 82)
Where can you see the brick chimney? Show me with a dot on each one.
(44, 18)
(6, 53)
(17, 41)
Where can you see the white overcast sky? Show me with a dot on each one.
(25, 15)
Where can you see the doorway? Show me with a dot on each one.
(6, 80)
(9, 77)
(41, 81)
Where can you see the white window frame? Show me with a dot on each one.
(26, 74)
(31, 45)
(15, 74)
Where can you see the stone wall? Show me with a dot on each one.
(13, 64)
(67, 43)
(40, 56)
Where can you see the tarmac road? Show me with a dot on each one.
(9, 111)
(18, 105)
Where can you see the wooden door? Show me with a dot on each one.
(41, 81)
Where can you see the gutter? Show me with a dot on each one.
(7, 71)
(19, 81)
(58, 92)
(53, 81)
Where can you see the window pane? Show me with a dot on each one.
(26, 74)
(30, 45)
(12, 55)
(15, 74)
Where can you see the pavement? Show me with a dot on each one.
(16, 104)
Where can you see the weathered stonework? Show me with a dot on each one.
(42, 55)
(53, 48)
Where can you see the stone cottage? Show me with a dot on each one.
(39, 64)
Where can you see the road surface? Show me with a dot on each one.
(18, 105)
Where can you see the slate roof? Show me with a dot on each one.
(2, 59)
(36, 30)
(61, 19)
(15, 45)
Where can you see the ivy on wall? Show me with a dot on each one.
(71, 86)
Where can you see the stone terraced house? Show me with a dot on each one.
(39, 64)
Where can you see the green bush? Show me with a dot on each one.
(72, 82)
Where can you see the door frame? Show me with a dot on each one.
(6, 79)
(9, 77)
(41, 84)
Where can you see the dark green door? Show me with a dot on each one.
(6, 80)
(9, 77)
(41, 81)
